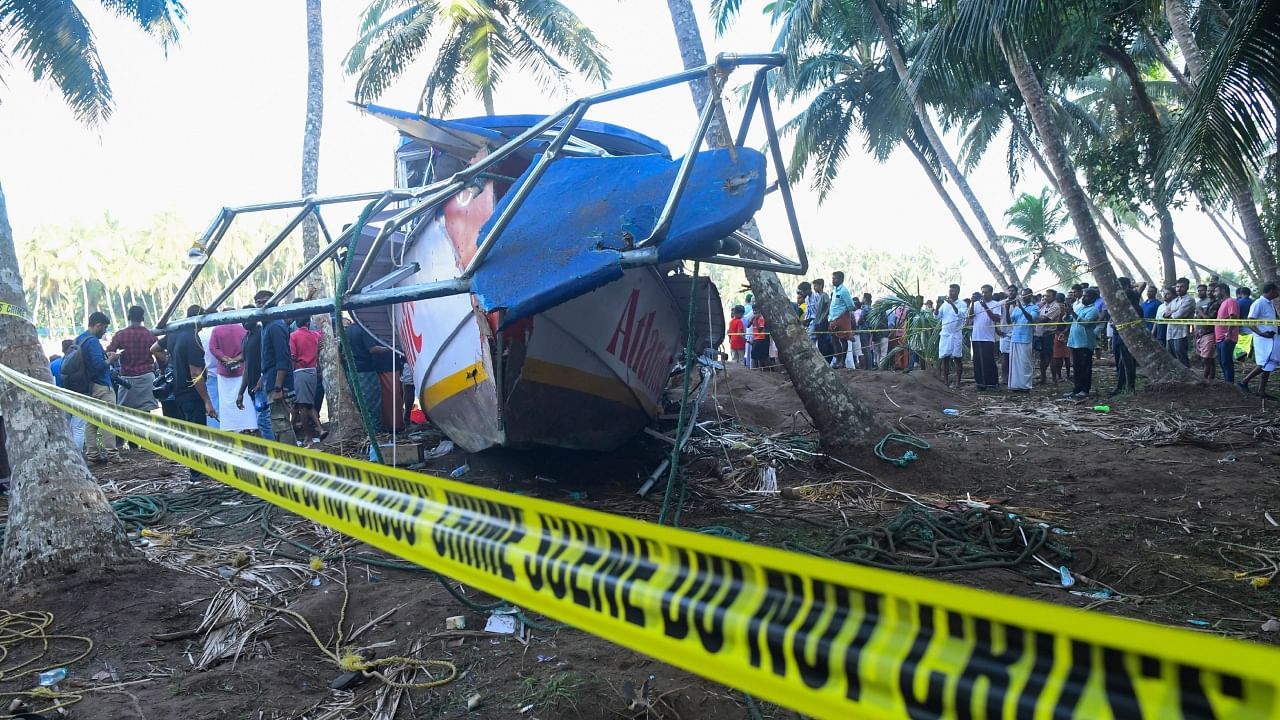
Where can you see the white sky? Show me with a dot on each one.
(219, 122)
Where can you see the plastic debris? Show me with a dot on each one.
(577, 495)
(455, 622)
(315, 581)
(501, 624)
(768, 481)
(1102, 408)
(1066, 578)
(1260, 582)
(1271, 625)
(950, 411)
(473, 702)
(1270, 519)
(49, 678)
(742, 507)
(1198, 623)
(1226, 459)
(546, 658)
(444, 448)
(1103, 594)
(459, 471)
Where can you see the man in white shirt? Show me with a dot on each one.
(1266, 350)
(984, 315)
(1182, 307)
(953, 312)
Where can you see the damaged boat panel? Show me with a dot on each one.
(543, 259)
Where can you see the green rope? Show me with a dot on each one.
(723, 531)
(931, 541)
(674, 465)
(901, 439)
(348, 361)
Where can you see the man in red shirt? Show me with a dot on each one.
(137, 367)
(1226, 335)
(304, 347)
(737, 334)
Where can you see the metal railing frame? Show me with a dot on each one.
(559, 128)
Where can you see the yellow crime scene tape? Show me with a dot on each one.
(13, 311)
(828, 639)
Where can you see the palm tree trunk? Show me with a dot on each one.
(1098, 217)
(951, 205)
(843, 422)
(59, 520)
(344, 417)
(1231, 243)
(1195, 266)
(1165, 60)
(1241, 194)
(1168, 238)
(1159, 366)
(1010, 275)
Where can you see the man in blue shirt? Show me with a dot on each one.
(277, 377)
(840, 317)
(97, 364)
(1023, 314)
(1082, 340)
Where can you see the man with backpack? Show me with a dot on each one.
(86, 369)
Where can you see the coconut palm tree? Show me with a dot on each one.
(851, 87)
(1039, 218)
(477, 42)
(844, 423)
(59, 519)
(989, 39)
(1229, 128)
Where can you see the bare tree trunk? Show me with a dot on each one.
(1241, 194)
(955, 210)
(1231, 243)
(59, 520)
(344, 418)
(1195, 266)
(1093, 208)
(1156, 362)
(842, 421)
(1010, 275)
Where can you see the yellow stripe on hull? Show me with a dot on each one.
(571, 378)
(451, 385)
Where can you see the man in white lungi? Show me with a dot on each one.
(952, 312)
(1266, 349)
(1023, 314)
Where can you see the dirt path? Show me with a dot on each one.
(1160, 503)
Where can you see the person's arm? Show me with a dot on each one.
(202, 389)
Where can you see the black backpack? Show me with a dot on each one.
(74, 374)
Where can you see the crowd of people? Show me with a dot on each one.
(1016, 336)
(259, 378)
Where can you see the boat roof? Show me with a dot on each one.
(475, 131)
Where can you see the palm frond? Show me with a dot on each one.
(54, 40)
(1230, 122)
(560, 29)
(375, 22)
(445, 83)
(724, 12)
(161, 19)
(381, 56)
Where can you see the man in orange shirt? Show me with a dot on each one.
(737, 335)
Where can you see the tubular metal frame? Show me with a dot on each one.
(559, 128)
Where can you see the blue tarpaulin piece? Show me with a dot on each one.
(567, 238)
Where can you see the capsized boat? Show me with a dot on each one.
(552, 346)
(530, 268)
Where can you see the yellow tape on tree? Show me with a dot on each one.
(13, 311)
(828, 639)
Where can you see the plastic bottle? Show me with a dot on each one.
(950, 411)
(1102, 408)
(49, 678)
